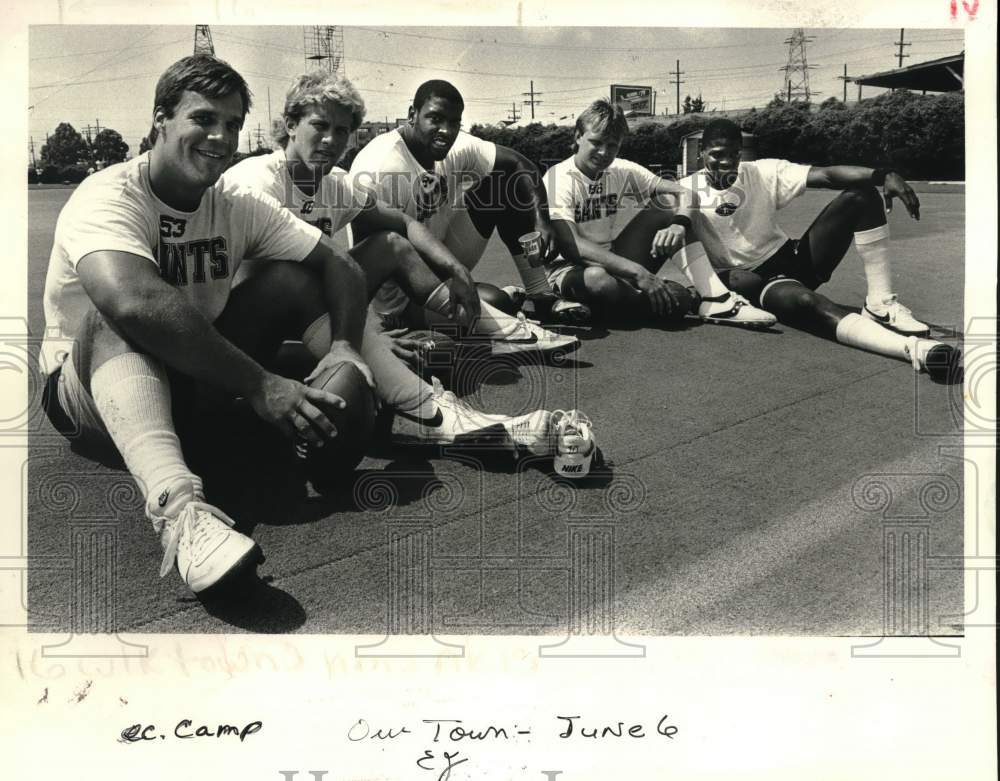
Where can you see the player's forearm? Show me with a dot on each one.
(167, 326)
(346, 293)
(436, 255)
(594, 254)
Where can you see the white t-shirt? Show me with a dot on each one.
(601, 206)
(431, 197)
(331, 209)
(744, 217)
(198, 252)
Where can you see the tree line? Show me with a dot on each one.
(66, 156)
(922, 137)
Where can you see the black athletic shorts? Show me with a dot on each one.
(793, 260)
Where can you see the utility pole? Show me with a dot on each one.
(532, 100)
(845, 80)
(270, 122)
(900, 43)
(677, 80)
(260, 137)
(512, 116)
(31, 145)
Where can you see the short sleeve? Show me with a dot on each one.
(642, 182)
(272, 231)
(559, 188)
(474, 155)
(783, 179)
(95, 224)
(348, 200)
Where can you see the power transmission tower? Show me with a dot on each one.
(900, 43)
(796, 86)
(203, 40)
(260, 136)
(677, 81)
(531, 101)
(324, 48)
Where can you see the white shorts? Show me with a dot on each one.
(78, 407)
(463, 241)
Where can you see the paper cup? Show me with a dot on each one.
(531, 245)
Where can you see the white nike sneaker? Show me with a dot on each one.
(455, 422)
(530, 337)
(199, 538)
(941, 361)
(532, 432)
(734, 309)
(893, 315)
(574, 443)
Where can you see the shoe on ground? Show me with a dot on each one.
(529, 337)
(893, 315)
(568, 312)
(200, 539)
(941, 361)
(734, 309)
(575, 446)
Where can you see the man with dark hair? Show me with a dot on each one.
(739, 203)
(140, 279)
(616, 223)
(462, 189)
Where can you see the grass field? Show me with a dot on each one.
(742, 495)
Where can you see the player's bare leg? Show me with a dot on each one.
(858, 214)
(799, 307)
(494, 205)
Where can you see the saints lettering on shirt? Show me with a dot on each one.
(198, 252)
(597, 205)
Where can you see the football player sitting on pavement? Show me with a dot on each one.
(321, 111)
(462, 188)
(615, 227)
(140, 278)
(753, 255)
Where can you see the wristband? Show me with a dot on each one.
(681, 220)
(879, 174)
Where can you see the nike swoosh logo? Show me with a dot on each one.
(434, 422)
(533, 339)
(881, 318)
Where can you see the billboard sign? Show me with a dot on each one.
(635, 100)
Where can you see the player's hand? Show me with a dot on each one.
(658, 292)
(405, 348)
(291, 406)
(464, 298)
(897, 187)
(550, 247)
(340, 352)
(667, 241)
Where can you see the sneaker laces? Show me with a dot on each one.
(200, 534)
(571, 423)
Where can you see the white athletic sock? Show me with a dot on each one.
(857, 331)
(317, 337)
(535, 280)
(395, 383)
(132, 393)
(694, 262)
(873, 247)
(492, 322)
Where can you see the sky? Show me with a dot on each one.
(90, 75)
